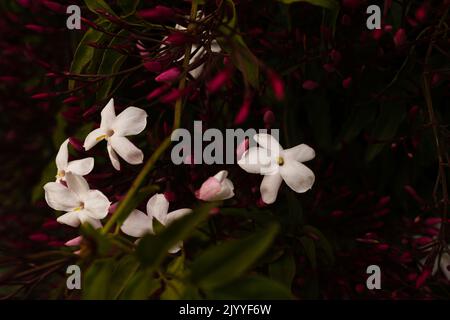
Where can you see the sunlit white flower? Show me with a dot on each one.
(443, 264)
(114, 129)
(81, 204)
(269, 159)
(138, 223)
(216, 188)
(80, 167)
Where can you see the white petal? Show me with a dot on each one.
(81, 167)
(108, 115)
(256, 160)
(137, 224)
(130, 121)
(86, 218)
(62, 156)
(269, 187)
(215, 47)
(444, 264)
(126, 150)
(297, 176)
(77, 184)
(226, 191)
(113, 156)
(70, 218)
(96, 204)
(177, 214)
(93, 138)
(268, 142)
(176, 247)
(59, 197)
(300, 153)
(221, 175)
(157, 207)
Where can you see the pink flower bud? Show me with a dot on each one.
(39, 237)
(310, 85)
(36, 28)
(74, 242)
(53, 6)
(400, 37)
(177, 38)
(347, 82)
(158, 91)
(169, 75)
(172, 96)
(218, 81)
(209, 189)
(423, 277)
(269, 117)
(42, 96)
(351, 4)
(244, 112)
(72, 99)
(421, 14)
(153, 66)
(76, 144)
(277, 85)
(328, 67)
(241, 148)
(158, 13)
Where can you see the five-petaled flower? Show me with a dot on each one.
(216, 188)
(80, 167)
(138, 223)
(81, 204)
(114, 130)
(276, 164)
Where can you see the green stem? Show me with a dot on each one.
(120, 213)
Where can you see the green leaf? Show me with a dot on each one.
(84, 53)
(235, 45)
(94, 5)
(141, 286)
(97, 278)
(252, 287)
(283, 270)
(128, 7)
(228, 261)
(124, 271)
(111, 62)
(152, 249)
(310, 250)
(386, 126)
(322, 242)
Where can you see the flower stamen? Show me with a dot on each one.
(280, 161)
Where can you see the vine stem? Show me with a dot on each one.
(167, 141)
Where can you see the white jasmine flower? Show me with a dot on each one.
(114, 129)
(138, 223)
(276, 164)
(80, 167)
(81, 204)
(216, 188)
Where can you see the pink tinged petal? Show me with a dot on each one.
(113, 157)
(77, 184)
(74, 242)
(301, 153)
(310, 85)
(255, 160)
(269, 187)
(157, 207)
(85, 218)
(226, 191)
(59, 197)
(127, 150)
(268, 142)
(177, 214)
(130, 121)
(221, 175)
(108, 115)
(137, 224)
(70, 218)
(93, 138)
(297, 176)
(62, 156)
(241, 148)
(209, 189)
(96, 204)
(81, 167)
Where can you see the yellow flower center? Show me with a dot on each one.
(81, 207)
(108, 134)
(280, 161)
(60, 174)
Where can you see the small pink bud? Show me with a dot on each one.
(157, 92)
(153, 66)
(36, 28)
(71, 99)
(158, 13)
(269, 117)
(400, 37)
(244, 112)
(53, 6)
(421, 14)
(177, 38)
(377, 34)
(328, 67)
(423, 277)
(209, 189)
(218, 81)
(277, 85)
(74, 242)
(170, 196)
(347, 83)
(76, 144)
(42, 96)
(351, 4)
(169, 75)
(335, 56)
(172, 96)
(39, 237)
(310, 85)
